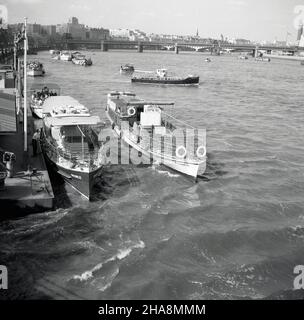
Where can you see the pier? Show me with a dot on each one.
(27, 187)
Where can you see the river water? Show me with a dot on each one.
(153, 233)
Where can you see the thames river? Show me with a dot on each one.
(154, 234)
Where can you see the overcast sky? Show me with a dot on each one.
(250, 19)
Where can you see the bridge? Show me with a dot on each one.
(215, 47)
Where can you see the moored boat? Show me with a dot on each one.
(161, 77)
(262, 59)
(81, 60)
(35, 69)
(39, 93)
(127, 68)
(148, 128)
(65, 56)
(70, 142)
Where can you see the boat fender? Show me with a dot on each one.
(201, 152)
(183, 152)
(131, 111)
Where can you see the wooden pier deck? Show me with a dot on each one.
(25, 192)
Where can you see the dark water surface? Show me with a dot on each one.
(154, 234)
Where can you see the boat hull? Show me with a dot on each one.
(181, 81)
(37, 112)
(35, 73)
(65, 58)
(82, 182)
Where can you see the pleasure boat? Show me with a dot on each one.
(262, 59)
(35, 69)
(81, 60)
(70, 142)
(161, 77)
(127, 68)
(65, 56)
(39, 93)
(151, 130)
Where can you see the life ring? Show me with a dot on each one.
(131, 111)
(198, 152)
(178, 154)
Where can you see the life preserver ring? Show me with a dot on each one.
(181, 155)
(198, 152)
(131, 111)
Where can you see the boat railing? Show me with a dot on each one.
(89, 160)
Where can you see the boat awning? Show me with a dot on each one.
(40, 86)
(73, 121)
(59, 101)
(141, 103)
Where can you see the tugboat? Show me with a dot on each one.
(127, 68)
(70, 142)
(148, 128)
(81, 60)
(35, 69)
(65, 56)
(161, 77)
(40, 92)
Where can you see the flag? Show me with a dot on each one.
(20, 36)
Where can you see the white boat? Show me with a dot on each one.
(138, 122)
(65, 56)
(39, 93)
(81, 60)
(70, 142)
(35, 69)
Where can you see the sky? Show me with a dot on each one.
(250, 19)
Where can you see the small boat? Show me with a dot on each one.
(262, 59)
(207, 60)
(81, 60)
(161, 77)
(35, 69)
(127, 68)
(65, 56)
(39, 93)
(243, 57)
(69, 141)
(152, 131)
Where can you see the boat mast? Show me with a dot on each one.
(25, 87)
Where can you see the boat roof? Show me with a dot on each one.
(72, 121)
(59, 101)
(40, 86)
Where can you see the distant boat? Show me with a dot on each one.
(39, 93)
(81, 60)
(262, 59)
(138, 122)
(70, 143)
(243, 57)
(35, 69)
(65, 56)
(207, 60)
(127, 68)
(161, 77)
